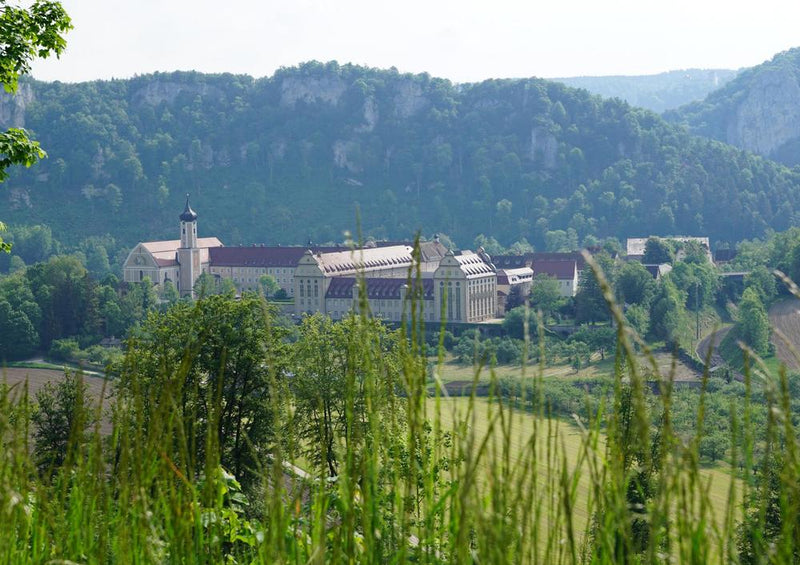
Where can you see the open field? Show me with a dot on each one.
(785, 317)
(664, 361)
(566, 444)
(453, 412)
(36, 378)
(452, 371)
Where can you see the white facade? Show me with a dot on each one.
(465, 289)
(180, 261)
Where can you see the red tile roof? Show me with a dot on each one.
(573, 256)
(558, 269)
(263, 256)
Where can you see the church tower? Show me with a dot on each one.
(188, 252)
(188, 226)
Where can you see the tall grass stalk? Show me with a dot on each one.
(422, 478)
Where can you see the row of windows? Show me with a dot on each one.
(483, 285)
(481, 308)
(305, 288)
(251, 271)
(393, 316)
(453, 299)
(237, 279)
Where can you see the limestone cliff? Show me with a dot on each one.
(309, 89)
(758, 111)
(409, 99)
(13, 107)
(768, 115)
(158, 91)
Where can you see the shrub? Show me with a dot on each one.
(65, 349)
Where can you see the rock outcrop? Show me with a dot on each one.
(758, 111)
(159, 91)
(768, 116)
(13, 107)
(309, 89)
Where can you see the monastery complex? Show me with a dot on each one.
(468, 287)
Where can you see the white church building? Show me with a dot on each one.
(180, 261)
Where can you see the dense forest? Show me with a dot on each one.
(293, 157)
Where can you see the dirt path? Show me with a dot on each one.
(664, 361)
(785, 317)
(712, 341)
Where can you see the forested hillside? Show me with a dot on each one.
(659, 92)
(290, 157)
(758, 111)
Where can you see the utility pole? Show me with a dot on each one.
(697, 308)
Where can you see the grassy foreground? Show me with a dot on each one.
(414, 479)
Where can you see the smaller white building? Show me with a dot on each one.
(636, 246)
(565, 272)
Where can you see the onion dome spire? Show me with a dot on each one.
(188, 214)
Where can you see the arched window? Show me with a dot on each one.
(458, 301)
(449, 301)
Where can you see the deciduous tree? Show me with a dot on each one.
(214, 363)
(590, 305)
(635, 284)
(657, 251)
(667, 312)
(545, 295)
(753, 322)
(26, 33)
(268, 285)
(62, 419)
(335, 365)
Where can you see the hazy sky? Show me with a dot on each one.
(463, 40)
